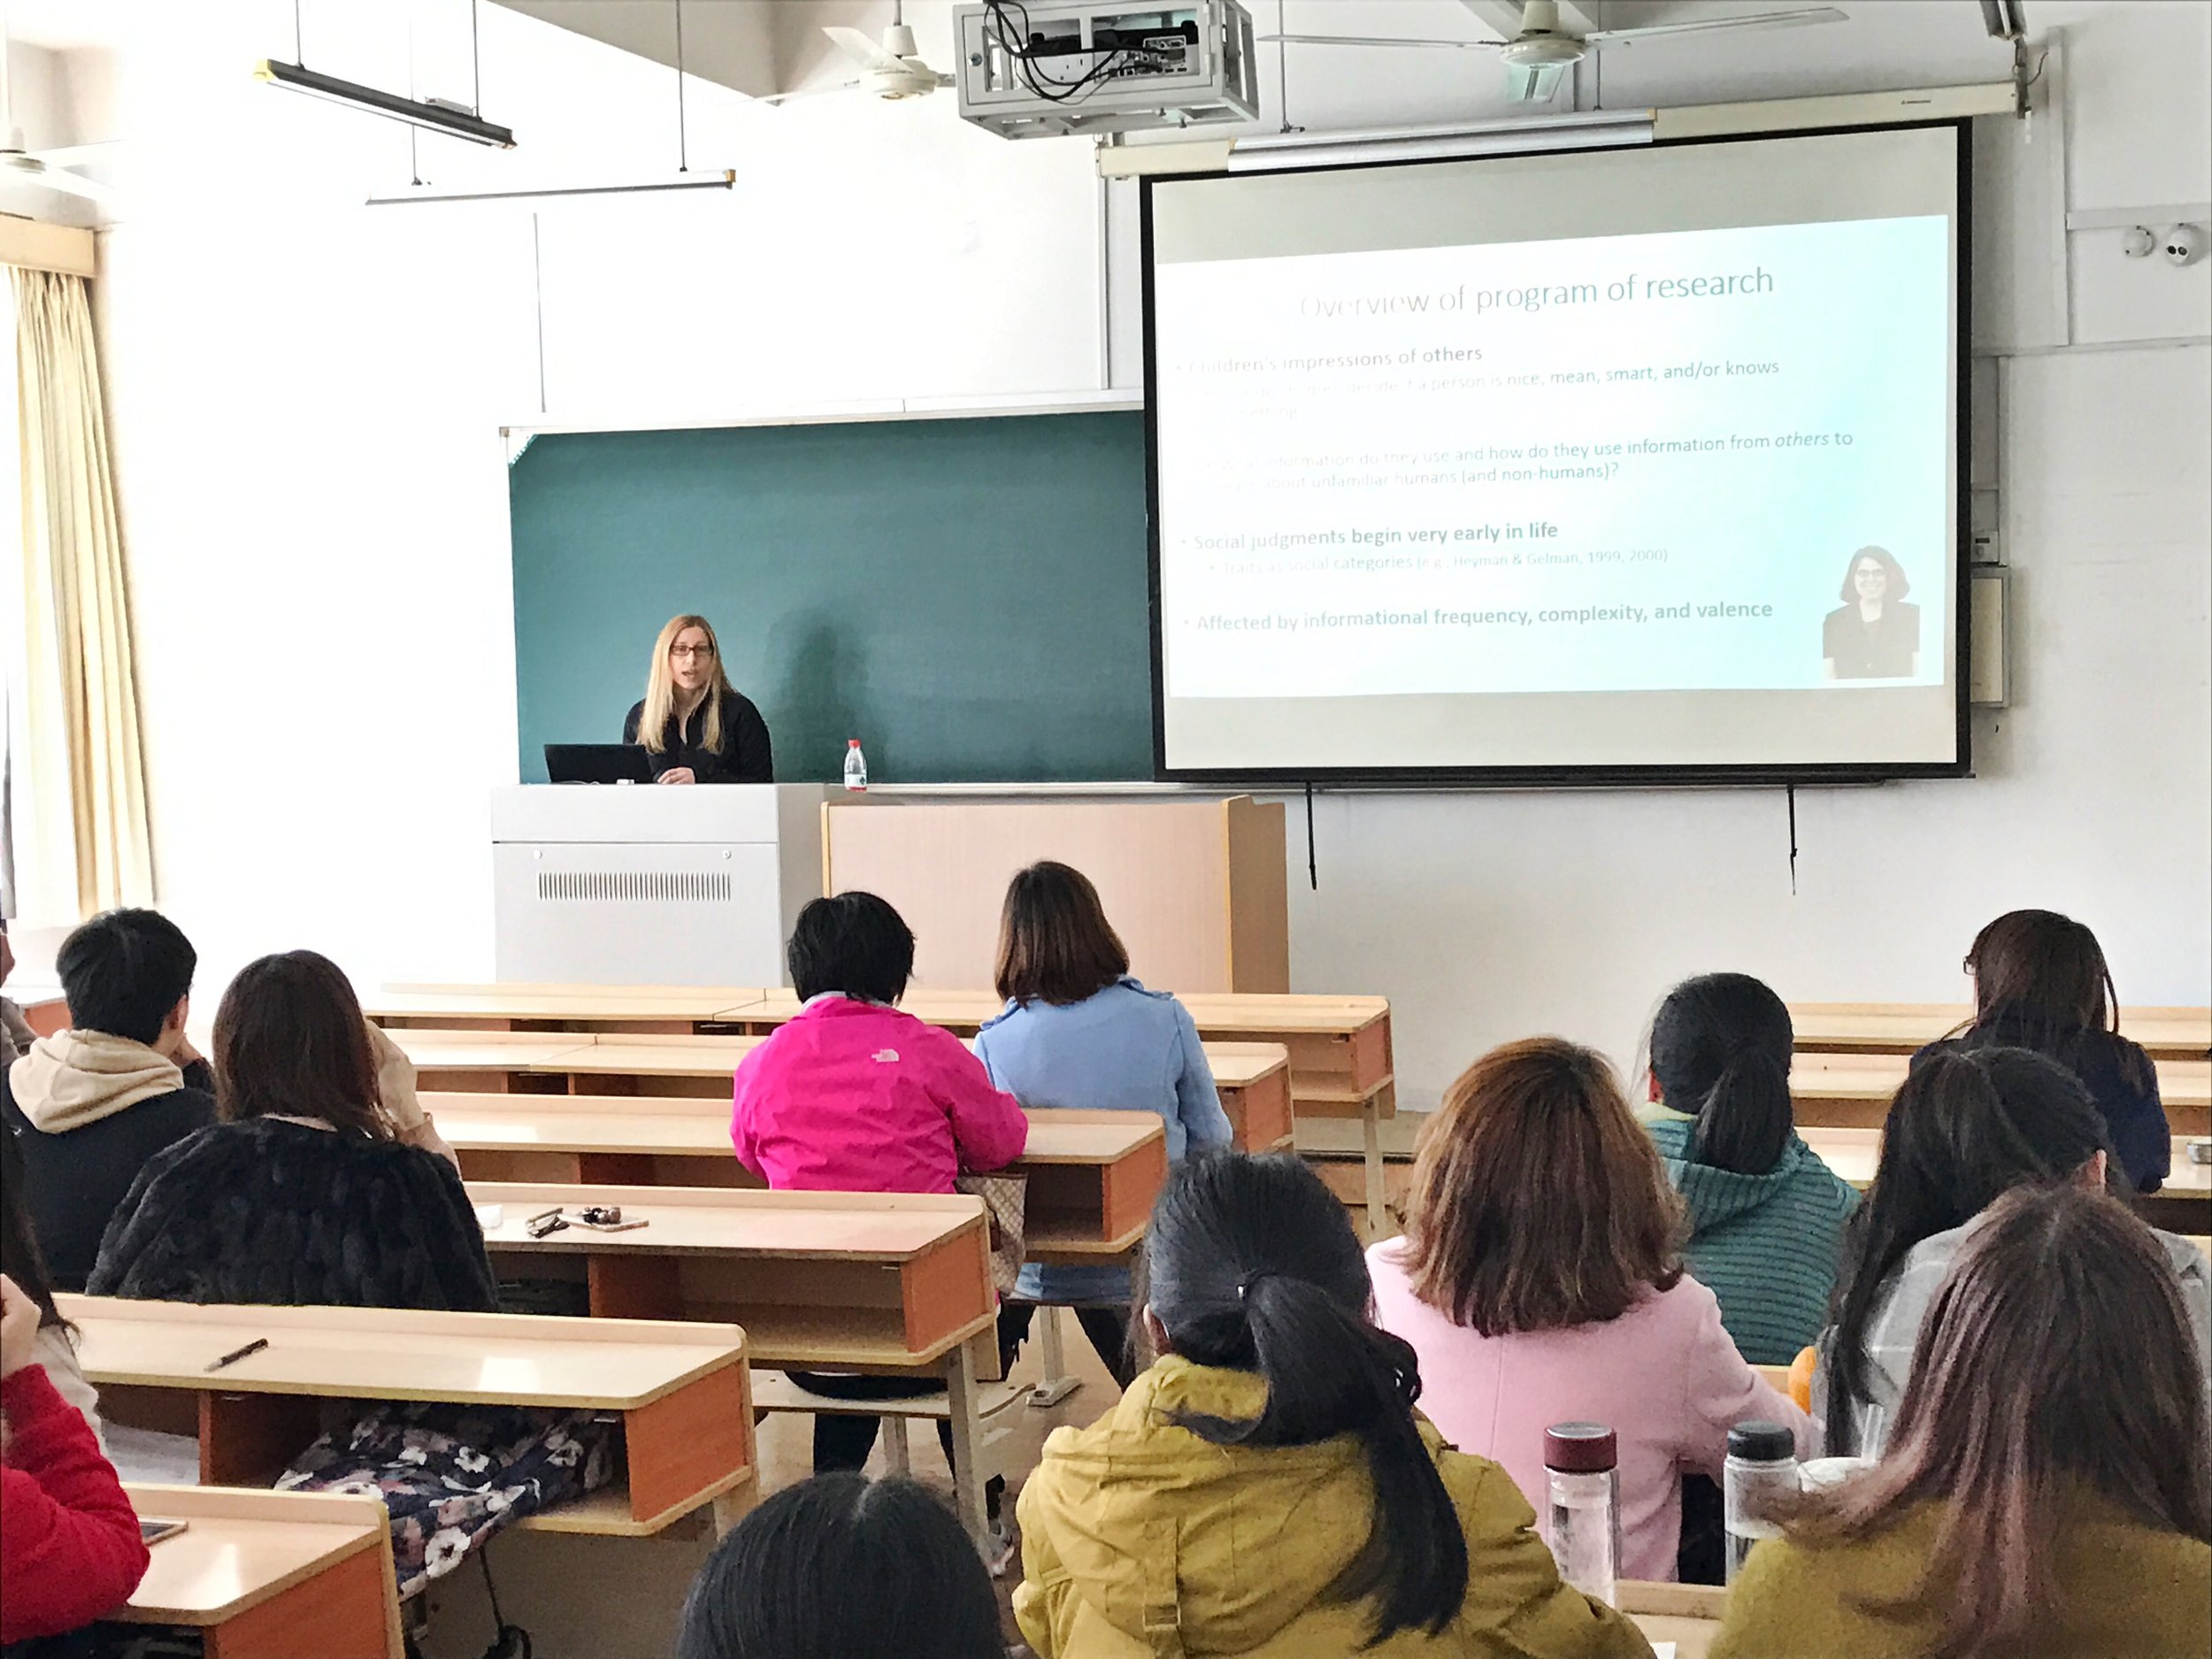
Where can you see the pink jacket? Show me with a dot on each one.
(853, 1096)
(1664, 1376)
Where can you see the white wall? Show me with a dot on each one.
(306, 397)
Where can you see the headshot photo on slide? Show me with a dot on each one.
(1874, 634)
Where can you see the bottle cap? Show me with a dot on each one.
(852, 743)
(1581, 1448)
(1762, 1442)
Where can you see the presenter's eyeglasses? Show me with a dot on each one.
(691, 651)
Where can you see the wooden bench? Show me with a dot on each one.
(1853, 1091)
(2165, 1034)
(2184, 1205)
(681, 1392)
(881, 1283)
(270, 1575)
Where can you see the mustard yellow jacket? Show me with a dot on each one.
(2130, 1592)
(1141, 1540)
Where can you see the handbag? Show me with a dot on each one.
(1005, 1198)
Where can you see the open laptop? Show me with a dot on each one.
(597, 763)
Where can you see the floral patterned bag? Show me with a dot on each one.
(452, 1475)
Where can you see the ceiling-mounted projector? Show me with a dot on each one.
(1049, 68)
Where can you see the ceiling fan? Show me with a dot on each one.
(1543, 52)
(48, 167)
(892, 70)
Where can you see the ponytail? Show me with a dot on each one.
(1720, 1049)
(1745, 1124)
(1250, 1263)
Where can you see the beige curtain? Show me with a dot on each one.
(86, 772)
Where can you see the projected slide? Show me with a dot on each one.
(1416, 504)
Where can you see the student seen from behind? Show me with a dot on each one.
(307, 1191)
(70, 1551)
(1965, 1129)
(1541, 1281)
(1766, 1214)
(2046, 1491)
(841, 1567)
(2041, 982)
(855, 1096)
(1266, 1487)
(1079, 1032)
(90, 1105)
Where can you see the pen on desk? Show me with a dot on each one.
(237, 1354)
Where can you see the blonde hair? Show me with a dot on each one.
(660, 687)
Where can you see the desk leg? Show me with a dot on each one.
(1055, 1385)
(967, 1444)
(1371, 1148)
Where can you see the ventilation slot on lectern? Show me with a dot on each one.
(633, 887)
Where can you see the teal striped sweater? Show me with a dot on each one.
(1765, 1245)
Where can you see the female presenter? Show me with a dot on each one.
(696, 728)
(1875, 635)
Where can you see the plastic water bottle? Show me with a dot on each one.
(1583, 1518)
(1762, 1466)
(855, 765)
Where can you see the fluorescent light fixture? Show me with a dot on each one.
(1598, 130)
(2005, 20)
(723, 181)
(434, 118)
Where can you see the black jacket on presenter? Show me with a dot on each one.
(744, 756)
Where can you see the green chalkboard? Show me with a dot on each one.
(965, 596)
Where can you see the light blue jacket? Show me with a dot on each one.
(1122, 1049)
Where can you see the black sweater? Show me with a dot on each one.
(265, 1212)
(74, 1180)
(743, 757)
(2118, 1075)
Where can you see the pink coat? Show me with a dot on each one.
(1664, 1376)
(853, 1096)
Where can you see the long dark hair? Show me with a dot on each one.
(1720, 1049)
(290, 1037)
(2056, 1359)
(842, 1567)
(1250, 1263)
(1055, 944)
(1964, 1130)
(20, 1258)
(2041, 982)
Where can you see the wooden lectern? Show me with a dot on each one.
(1195, 889)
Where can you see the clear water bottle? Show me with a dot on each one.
(855, 765)
(1583, 1517)
(1761, 1467)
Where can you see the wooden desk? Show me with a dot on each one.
(2184, 1205)
(554, 1008)
(1338, 1048)
(1835, 1091)
(1092, 1176)
(270, 1575)
(1687, 1615)
(681, 1390)
(2165, 1034)
(896, 1282)
(1252, 1079)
